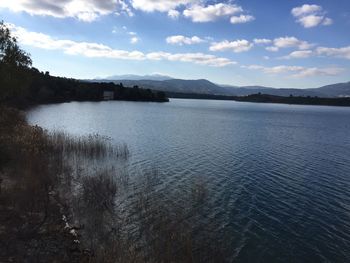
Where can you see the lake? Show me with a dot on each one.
(278, 176)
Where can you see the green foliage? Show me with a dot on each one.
(10, 52)
(13, 65)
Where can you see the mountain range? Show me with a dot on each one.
(203, 86)
(157, 77)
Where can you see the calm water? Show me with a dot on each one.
(278, 175)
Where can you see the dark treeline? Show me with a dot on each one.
(27, 86)
(265, 98)
(22, 85)
(298, 100)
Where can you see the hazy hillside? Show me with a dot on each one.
(203, 86)
(178, 85)
(339, 90)
(158, 77)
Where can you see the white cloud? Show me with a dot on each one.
(310, 21)
(235, 46)
(197, 58)
(299, 54)
(242, 19)
(310, 72)
(281, 69)
(174, 14)
(288, 42)
(124, 8)
(262, 41)
(272, 49)
(161, 6)
(97, 50)
(252, 67)
(343, 52)
(196, 10)
(327, 22)
(134, 40)
(84, 10)
(182, 40)
(200, 13)
(306, 10)
(311, 16)
(114, 30)
(285, 42)
(90, 10)
(297, 71)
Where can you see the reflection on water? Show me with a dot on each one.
(278, 176)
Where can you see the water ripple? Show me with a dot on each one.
(277, 176)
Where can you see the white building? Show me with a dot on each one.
(108, 95)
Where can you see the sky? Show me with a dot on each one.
(275, 43)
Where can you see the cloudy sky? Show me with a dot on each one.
(278, 43)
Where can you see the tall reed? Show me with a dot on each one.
(90, 146)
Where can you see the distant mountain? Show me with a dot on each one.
(203, 86)
(335, 90)
(200, 86)
(157, 77)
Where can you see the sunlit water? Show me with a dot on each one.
(278, 176)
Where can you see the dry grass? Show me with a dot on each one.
(149, 228)
(38, 173)
(90, 146)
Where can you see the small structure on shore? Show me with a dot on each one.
(108, 95)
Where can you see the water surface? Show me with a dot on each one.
(278, 175)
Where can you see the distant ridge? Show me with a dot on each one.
(157, 77)
(203, 86)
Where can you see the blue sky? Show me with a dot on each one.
(287, 44)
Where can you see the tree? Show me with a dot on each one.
(10, 52)
(14, 67)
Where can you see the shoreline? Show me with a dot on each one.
(265, 98)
